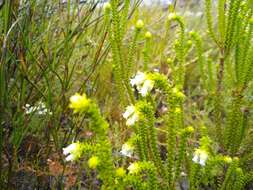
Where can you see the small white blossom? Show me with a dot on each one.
(127, 150)
(131, 121)
(183, 174)
(70, 158)
(129, 111)
(139, 78)
(156, 70)
(131, 115)
(147, 87)
(69, 149)
(29, 109)
(198, 14)
(143, 84)
(200, 157)
(72, 151)
(39, 108)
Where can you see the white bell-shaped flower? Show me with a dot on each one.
(73, 151)
(129, 111)
(142, 82)
(131, 120)
(200, 157)
(139, 79)
(70, 158)
(131, 115)
(127, 150)
(147, 87)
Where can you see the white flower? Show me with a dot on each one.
(69, 149)
(143, 83)
(156, 70)
(41, 105)
(134, 168)
(127, 150)
(130, 121)
(139, 78)
(73, 151)
(147, 87)
(200, 157)
(70, 158)
(29, 109)
(198, 14)
(131, 115)
(129, 111)
(42, 112)
(183, 174)
(39, 108)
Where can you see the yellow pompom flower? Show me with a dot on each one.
(134, 168)
(120, 172)
(227, 159)
(190, 129)
(178, 110)
(93, 162)
(79, 102)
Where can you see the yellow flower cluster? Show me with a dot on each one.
(79, 102)
(93, 162)
(120, 172)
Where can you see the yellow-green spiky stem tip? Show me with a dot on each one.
(139, 25)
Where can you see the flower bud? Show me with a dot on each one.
(139, 25)
(192, 33)
(107, 6)
(189, 43)
(148, 35)
(172, 16)
(169, 60)
(239, 170)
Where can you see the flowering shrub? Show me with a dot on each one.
(182, 158)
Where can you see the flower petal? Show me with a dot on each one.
(138, 79)
(129, 111)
